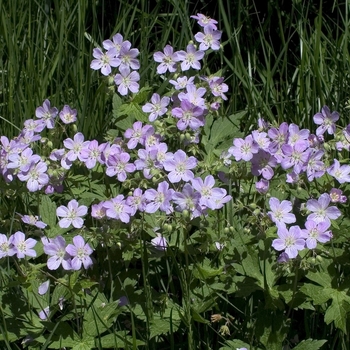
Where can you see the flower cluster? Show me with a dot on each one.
(119, 54)
(304, 156)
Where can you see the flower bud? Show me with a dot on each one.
(74, 127)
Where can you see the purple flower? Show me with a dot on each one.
(159, 199)
(316, 232)
(105, 61)
(190, 58)
(204, 21)
(262, 164)
(43, 288)
(80, 251)
(47, 114)
(243, 149)
(33, 220)
(23, 161)
(127, 81)
(295, 134)
(315, 168)
(21, 246)
(296, 155)
(290, 241)
(117, 164)
(36, 177)
(71, 214)
(6, 248)
(188, 199)
(336, 196)
(137, 201)
(75, 147)
(44, 314)
(326, 120)
(117, 43)
(341, 173)
(210, 38)
(90, 154)
(116, 208)
(147, 161)
(194, 95)
(56, 249)
(208, 192)
(217, 87)
(181, 82)
(278, 136)
(321, 211)
(189, 115)
(157, 107)
(138, 134)
(180, 166)
(159, 243)
(128, 56)
(280, 211)
(98, 211)
(167, 60)
(262, 186)
(68, 115)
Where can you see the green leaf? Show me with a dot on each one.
(338, 310)
(118, 340)
(47, 211)
(310, 344)
(316, 293)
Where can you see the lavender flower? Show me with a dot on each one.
(204, 21)
(320, 209)
(210, 38)
(190, 58)
(243, 149)
(262, 186)
(36, 177)
(68, 115)
(159, 243)
(127, 80)
(336, 196)
(71, 214)
(179, 167)
(80, 251)
(105, 61)
(43, 288)
(290, 241)
(167, 60)
(116, 208)
(22, 246)
(33, 220)
(6, 248)
(326, 120)
(159, 199)
(280, 211)
(316, 232)
(56, 249)
(157, 107)
(47, 114)
(182, 82)
(44, 314)
(339, 172)
(189, 115)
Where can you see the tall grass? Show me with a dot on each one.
(282, 62)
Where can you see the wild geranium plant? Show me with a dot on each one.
(173, 219)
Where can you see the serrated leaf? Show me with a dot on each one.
(119, 340)
(310, 344)
(141, 96)
(225, 127)
(47, 210)
(338, 310)
(316, 293)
